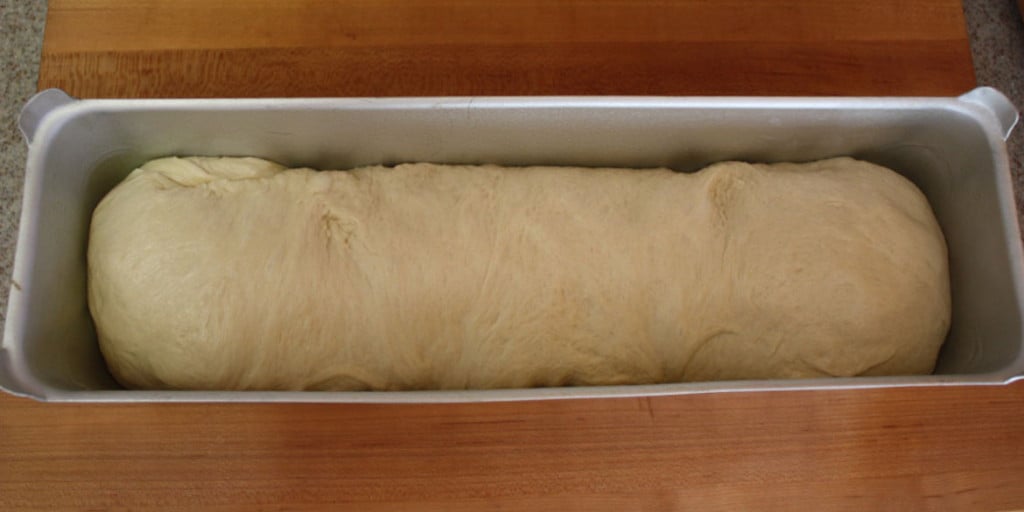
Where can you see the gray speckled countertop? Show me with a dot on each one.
(21, 40)
(996, 30)
(995, 27)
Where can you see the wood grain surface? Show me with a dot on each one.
(230, 48)
(937, 448)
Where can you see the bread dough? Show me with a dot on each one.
(236, 273)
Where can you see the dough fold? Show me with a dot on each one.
(237, 273)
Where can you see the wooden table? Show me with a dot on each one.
(898, 449)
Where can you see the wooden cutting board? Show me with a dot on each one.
(896, 449)
(232, 48)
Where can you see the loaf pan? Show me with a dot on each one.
(952, 148)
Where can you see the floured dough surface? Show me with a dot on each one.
(236, 273)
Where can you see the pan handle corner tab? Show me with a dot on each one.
(997, 104)
(12, 383)
(36, 109)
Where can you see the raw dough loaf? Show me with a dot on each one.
(236, 273)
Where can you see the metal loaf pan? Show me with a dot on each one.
(952, 148)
